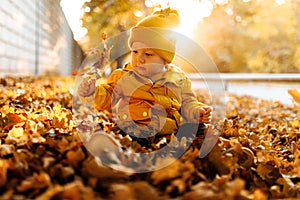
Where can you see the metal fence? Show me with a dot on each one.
(35, 39)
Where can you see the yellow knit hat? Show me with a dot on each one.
(156, 32)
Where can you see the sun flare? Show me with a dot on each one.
(191, 12)
(73, 16)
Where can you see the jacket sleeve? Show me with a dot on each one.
(103, 94)
(190, 105)
(103, 97)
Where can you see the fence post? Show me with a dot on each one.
(37, 36)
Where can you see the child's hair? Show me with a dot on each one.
(155, 31)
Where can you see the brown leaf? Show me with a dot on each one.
(202, 190)
(268, 172)
(37, 181)
(93, 168)
(74, 157)
(76, 190)
(3, 172)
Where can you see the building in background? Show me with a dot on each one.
(35, 39)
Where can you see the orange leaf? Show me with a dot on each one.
(295, 94)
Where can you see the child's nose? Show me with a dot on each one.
(140, 59)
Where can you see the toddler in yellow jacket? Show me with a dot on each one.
(150, 94)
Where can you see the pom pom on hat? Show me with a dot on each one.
(167, 18)
(156, 32)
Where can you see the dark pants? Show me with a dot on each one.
(188, 130)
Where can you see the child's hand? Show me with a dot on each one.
(205, 114)
(87, 87)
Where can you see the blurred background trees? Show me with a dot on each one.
(239, 35)
(112, 17)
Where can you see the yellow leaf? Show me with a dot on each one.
(16, 132)
(295, 94)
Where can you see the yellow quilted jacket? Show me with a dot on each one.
(162, 102)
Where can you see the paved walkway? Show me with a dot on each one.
(272, 87)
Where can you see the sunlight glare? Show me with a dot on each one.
(148, 3)
(191, 12)
(280, 2)
(73, 12)
(221, 2)
(138, 13)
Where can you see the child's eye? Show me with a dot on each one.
(148, 54)
(134, 51)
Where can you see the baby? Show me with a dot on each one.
(150, 96)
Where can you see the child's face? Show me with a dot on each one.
(146, 62)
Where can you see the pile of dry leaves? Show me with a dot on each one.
(257, 155)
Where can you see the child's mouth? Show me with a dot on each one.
(140, 68)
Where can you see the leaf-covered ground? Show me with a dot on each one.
(42, 157)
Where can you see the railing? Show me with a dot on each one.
(265, 86)
(227, 78)
(244, 77)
